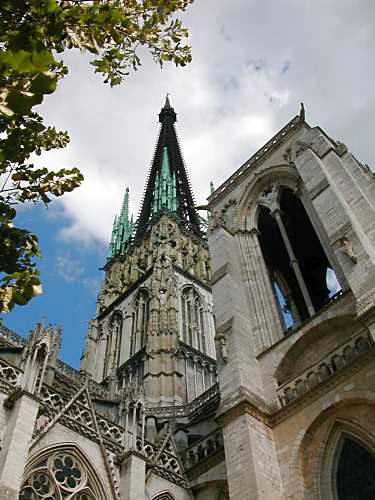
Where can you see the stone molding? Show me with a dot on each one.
(295, 124)
(272, 419)
(366, 303)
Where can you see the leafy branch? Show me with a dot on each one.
(32, 33)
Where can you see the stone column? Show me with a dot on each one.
(132, 477)
(267, 327)
(294, 262)
(126, 334)
(251, 460)
(15, 445)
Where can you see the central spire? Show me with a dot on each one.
(168, 188)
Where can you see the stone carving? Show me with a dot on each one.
(324, 369)
(203, 448)
(289, 156)
(366, 302)
(348, 249)
(341, 148)
(269, 197)
(59, 475)
(9, 373)
(223, 345)
(163, 306)
(225, 218)
(165, 241)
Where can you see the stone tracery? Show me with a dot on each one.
(60, 475)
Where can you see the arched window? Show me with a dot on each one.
(59, 475)
(223, 494)
(355, 474)
(113, 344)
(140, 316)
(193, 319)
(297, 263)
(163, 496)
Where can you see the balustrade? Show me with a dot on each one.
(204, 448)
(328, 366)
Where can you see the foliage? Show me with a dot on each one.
(32, 34)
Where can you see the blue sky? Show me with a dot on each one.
(253, 63)
(71, 278)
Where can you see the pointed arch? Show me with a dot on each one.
(164, 495)
(348, 466)
(223, 494)
(59, 472)
(113, 343)
(193, 321)
(140, 320)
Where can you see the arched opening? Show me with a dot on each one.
(303, 279)
(223, 494)
(60, 473)
(164, 496)
(140, 319)
(113, 344)
(278, 264)
(355, 473)
(307, 248)
(193, 332)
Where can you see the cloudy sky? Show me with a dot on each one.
(253, 63)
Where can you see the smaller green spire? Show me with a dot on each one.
(165, 196)
(122, 228)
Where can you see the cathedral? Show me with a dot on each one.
(231, 355)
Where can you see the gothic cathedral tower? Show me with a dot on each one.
(154, 328)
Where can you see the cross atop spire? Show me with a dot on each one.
(168, 187)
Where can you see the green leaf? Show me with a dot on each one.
(42, 60)
(22, 104)
(19, 61)
(44, 84)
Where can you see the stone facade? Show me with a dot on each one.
(245, 372)
(295, 381)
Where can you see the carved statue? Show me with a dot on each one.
(348, 249)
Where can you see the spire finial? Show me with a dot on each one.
(167, 112)
(167, 104)
(302, 112)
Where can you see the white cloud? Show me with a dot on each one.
(254, 62)
(72, 270)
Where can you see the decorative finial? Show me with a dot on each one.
(167, 104)
(302, 112)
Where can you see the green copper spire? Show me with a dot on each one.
(122, 228)
(165, 187)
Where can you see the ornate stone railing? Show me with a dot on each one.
(78, 416)
(336, 360)
(211, 396)
(204, 448)
(163, 460)
(9, 373)
(11, 336)
(69, 371)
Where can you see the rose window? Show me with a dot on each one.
(67, 472)
(61, 476)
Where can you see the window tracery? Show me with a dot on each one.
(140, 321)
(296, 260)
(355, 474)
(59, 476)
(163, 496)
(113, 344)
(193, 330)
